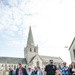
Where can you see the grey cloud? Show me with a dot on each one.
(4, 3)
(13, 3)
(7, 14)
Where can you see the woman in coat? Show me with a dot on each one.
(58, 71)
(40, 72)
(72, 69)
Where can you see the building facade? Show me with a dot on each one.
(31, 57)
(72, 50)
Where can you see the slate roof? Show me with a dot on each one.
(34, 57)
(72, 43)
(47, 58)
(12, 60)
(30, 40)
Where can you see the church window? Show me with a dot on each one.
(25, 66)
(14, 67)
(55, 63)
(9, 65)
(6, 67)
(2, 65)
(59, 66)
(17, 66)
(34, 50)
(74, 52)
(30, 50)
(37, 63)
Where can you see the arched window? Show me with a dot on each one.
(14, 67)
(2, 65)
(30, 50)
(37, 63)
(34, 50)
(9, 65)
(25, 66)
(17, 66)
(59, 65)
(5, 66)
(55, 63)
(74, 53)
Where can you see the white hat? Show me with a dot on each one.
(29, 66)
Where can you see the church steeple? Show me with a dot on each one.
(30, 50)
(30, 40)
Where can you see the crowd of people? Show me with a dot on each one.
(49, 69)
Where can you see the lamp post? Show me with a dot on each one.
(66, 47)
(69, 61)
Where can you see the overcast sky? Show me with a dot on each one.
(52, 22)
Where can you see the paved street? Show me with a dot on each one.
(1, 73)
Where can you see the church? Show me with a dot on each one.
(31, 57)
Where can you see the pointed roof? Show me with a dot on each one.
(47, 58)
(30, 40)
(72, 43)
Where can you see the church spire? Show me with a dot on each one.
(30, 40)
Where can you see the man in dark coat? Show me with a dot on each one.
(34, 72)
(50, 69)
(21, 70)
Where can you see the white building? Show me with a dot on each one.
(72, 50)
(31, 57)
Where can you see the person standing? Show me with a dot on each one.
(29, 70)
(40, 72)
(72, 68)
(58, 71)
(35, 71)
(11, 72)
(21, 70)
(69, 68)
(50, 69)
(1, 71)
(4, 72)
(64, 69)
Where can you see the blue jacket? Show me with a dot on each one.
(40, 72)
(64, 71)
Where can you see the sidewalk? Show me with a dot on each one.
(4, 73)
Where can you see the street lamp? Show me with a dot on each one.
(66, 47)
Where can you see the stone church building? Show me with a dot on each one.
(31, 57)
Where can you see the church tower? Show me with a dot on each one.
(30, 50)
